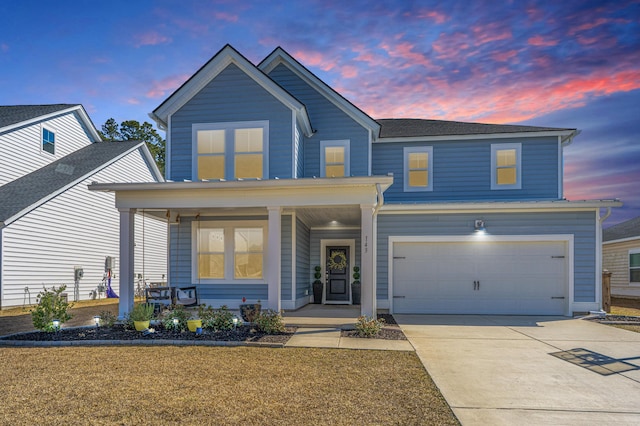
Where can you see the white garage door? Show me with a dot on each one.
(525, 278)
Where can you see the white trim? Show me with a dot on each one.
(294, 172)
(514, 135)
(495, 147)
(498, 206)
(560, 169)
(598, 259)
(346, 144)
(51, 129)
(406, 151)
(567, 238)
(323, 263)
(83, 116)
(229, 151)
(294, 264)
(334, 228)
(369, 152)
(632, 251)
(622, 240)
(168, 148)
(229, 227)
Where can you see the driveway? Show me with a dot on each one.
(506, 370)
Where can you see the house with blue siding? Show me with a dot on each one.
(271, 174)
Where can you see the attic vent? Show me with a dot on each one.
(65, 169)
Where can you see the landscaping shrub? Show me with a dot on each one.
(50, 306)
(177, 312)
(270, 322)
(107, 319)
(368, 326)
(216, 319)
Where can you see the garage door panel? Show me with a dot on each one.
(513, 278)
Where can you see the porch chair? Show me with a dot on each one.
(186, 296)
(158, 297)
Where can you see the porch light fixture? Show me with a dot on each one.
(96, 319)
(175, 323)
(235, 322)
(479, 226)
(56, 324)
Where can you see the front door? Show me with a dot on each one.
(337, 274)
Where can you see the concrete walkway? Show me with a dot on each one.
(312, 337)
(506, 370)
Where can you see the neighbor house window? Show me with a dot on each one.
(418, 168)
(334, 158)
(48, 141)
(230, 150)
(634, 266)
(226, 251)
(506, 166)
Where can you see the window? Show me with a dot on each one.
(334, 158)
(230, 150)
(48, 141)
(505, 166)
(229, 251)
(418, 168)
(634, 266)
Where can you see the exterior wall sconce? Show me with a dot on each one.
(479, 226)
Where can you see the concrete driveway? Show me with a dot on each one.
(507, 370)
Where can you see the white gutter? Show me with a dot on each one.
(568, 140)
(603, 218)
(500, 206)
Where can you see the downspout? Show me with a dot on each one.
(599, 269)
(380, 201)
(603, 218)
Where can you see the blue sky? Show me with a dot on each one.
(567, 63)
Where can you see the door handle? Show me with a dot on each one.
(398, 297)
(476, 285)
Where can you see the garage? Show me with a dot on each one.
(480, 277)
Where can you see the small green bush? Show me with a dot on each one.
(216, 319)
(142, 312)
(368, 326)
(270, 322)
(50, 306)
(177, 312)
(107, 319)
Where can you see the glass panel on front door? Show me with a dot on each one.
(337, 288)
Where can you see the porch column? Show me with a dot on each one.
(274, 250)
(368, 297)
(127, 256)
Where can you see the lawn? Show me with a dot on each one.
(213, 385)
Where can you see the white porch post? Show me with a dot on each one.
(274, 250)
(127, 256)
(368, 297)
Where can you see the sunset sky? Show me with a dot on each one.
(570, 64)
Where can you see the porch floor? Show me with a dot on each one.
(335, 316)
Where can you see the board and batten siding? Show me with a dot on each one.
(286, 248)
(304, 271)
(462, 170)
(21, 148)
(615, 259)
(581, 224)
(329, 123)
(77, 228)
(232, 96)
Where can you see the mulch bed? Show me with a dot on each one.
(390, 331)
(119, 332)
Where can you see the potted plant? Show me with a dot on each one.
(141, 315)
(317, 286)
(249, 311)
(193, 324)
(356, 287)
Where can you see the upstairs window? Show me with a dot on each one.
(418, 168)
(230, 150)
(506, 166)
(334, 158)
(634, 266)
(48, 141)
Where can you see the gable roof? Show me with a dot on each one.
(280, 56)
(12, 116)
(408, 127)
(226, 56)
(30, 191)
(621, 231)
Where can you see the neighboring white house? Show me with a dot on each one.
(51, 225)
(621, 257)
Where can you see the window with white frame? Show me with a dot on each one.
(48, 141)
(229, 251)
(506, 172)
(634, 266)
(334, 158)
(418, 168)
(230, 151)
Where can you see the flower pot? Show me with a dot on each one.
(141, 325)
(356, 291)
(317, 292)
(194, 324)
(249, 311)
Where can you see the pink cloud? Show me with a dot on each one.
(434, 15)
(405, 51)
(315, 59)
(133, 101)
(160, 88)
(224, 16)
(504, 56)
(491, 32)
(349, 71)
(150, 38)
(540, 41)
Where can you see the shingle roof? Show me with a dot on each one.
(408, 127)
(627, 229)
(31, 189)
(12, 114)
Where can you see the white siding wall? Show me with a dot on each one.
(21, 149)
(79, 227)
(615, 259)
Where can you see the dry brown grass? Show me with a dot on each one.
(620, 310)
(212, 385)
